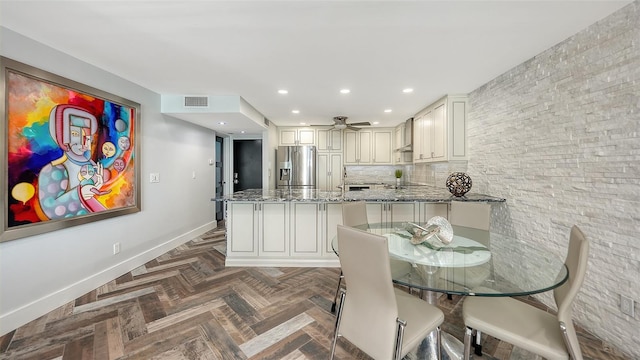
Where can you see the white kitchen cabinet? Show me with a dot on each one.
(329, 171)
(313, 227)
(329, 140)
(296, 136)
(440, 131)
(429, 210)
(381, 147)
(391, 211)
(400, 155)
(258, 229)
(368, 147)
(330, 215)
(305, 229)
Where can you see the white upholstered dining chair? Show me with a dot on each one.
(382, 321)
(525, 326)
(354, 213)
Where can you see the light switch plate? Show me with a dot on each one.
(154, 177)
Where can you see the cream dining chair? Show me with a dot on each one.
(382, 321)
(527, 327)
(354, 213)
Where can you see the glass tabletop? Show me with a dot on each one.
(476, 262)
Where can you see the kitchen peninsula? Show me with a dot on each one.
(295, 227)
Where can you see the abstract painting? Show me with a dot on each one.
(70, 153)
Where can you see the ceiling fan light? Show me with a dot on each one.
(340, 126)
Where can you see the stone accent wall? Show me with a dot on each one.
(559, 137)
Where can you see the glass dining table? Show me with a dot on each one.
(475, 263)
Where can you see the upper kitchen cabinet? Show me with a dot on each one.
(440, 131)
(368, 147)
(296, 136)
(329, 140)
(402, 148)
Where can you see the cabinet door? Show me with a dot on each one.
(243, 234)
(324, 170)
(439, 134)
(336, 140)
(306, 136)
(429, 210)
(381, 148)
(351, 144)
(288, 137)
(364, 147)
(329, 171)
(418, 142)
(329, 140)
(332, 217)
(376, 214)
(401, 212)
(274, 221)
(304, 230)
(335, 171)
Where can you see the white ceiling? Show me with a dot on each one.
(311, 48)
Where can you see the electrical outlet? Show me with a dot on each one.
(116, 248)
(626, 305)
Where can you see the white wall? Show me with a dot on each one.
(40, 273)
(559, 137)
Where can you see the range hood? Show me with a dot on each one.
(407, 138)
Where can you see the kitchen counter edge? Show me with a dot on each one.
(424, 194)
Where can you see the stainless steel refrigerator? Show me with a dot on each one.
(296, 167)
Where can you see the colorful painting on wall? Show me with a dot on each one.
(71, 153)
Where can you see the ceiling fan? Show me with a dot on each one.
(340, 122)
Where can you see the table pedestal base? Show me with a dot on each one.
(451, 347)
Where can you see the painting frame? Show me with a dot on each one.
(92, 175)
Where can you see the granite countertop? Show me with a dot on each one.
(420, 193)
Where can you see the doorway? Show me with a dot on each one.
(247, 164)
(219, 179)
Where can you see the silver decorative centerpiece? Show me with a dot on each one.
(437, 232)
(459, 183)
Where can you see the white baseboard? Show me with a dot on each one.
(288, 262)
(31, 311)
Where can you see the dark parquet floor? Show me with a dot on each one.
(186, 304)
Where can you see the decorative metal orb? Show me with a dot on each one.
(459, 183)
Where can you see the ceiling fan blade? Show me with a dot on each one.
(365, 123)
(353, 128)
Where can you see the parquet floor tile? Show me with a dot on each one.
(185, 305)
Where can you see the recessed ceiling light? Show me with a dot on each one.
(376, 122)
(242, 131)
(345, 91)
(303, 123)
(222, 123)
(407, 90)
(387, 110)
(295, 111)
(283, 91)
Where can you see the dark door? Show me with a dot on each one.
(247, 164)
(219, 180)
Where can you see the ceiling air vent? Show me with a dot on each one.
(196, 101)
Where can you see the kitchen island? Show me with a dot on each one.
(295, 227)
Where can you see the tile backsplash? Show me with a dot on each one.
(426, 174)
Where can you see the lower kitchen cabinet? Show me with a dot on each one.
(391, 211)
(313, 227)
(304, 229)
(283, 233)
(429, 210)
(258, 229)
(331, 216)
